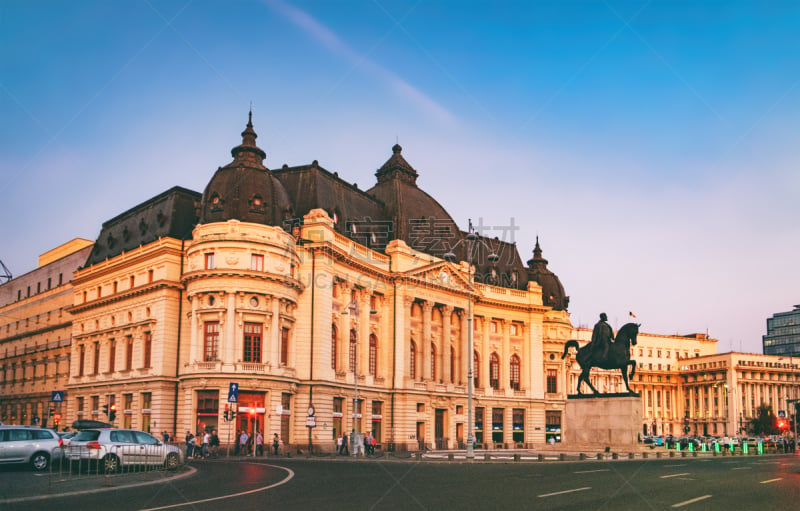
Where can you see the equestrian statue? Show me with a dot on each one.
(606, 352)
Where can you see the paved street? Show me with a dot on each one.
(765, 482)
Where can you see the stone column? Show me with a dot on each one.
(425, 357)
(362, 339)
(275, 333)
(227, 340)
(447, 311)
(466, 356)
(404, 340)
(505, 355)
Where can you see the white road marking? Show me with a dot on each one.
(670, 466)
(285, 480)
(675, 475)
(591, 471)
(771, 480)
(692, 501)
(742, 468)
(560, 492)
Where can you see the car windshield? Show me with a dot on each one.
(144, 438)
(87, 435)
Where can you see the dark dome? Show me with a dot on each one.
(245, 189)
(553, 294)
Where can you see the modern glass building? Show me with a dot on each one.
(783, 334)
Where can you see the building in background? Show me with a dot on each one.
(783, 334)
(327, 305)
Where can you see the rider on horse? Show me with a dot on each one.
(602, 335)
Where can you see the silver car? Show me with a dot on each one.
(117, 448)
(29, 444)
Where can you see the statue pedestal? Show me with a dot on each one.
(594, 423)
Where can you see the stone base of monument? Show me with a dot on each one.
(609, 420)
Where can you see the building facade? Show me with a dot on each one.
(329, 309)
(783, 334)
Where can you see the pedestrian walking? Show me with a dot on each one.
(259, 444)
(236, 443)
(345, 451)
(243, 438)
(188, 440)
(276, 442)
(206, 441)
(339, 445)
(214, 443)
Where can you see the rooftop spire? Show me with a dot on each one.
(248, 153)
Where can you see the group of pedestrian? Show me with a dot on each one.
(167, 438)
(341, 445)
(369, 444)
(206, 447)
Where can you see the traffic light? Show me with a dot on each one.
(686, 427)
(57, 418)
(112, 414)
(52, 411)
(105, 409)
(226, 415)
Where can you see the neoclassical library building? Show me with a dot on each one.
(321, 308)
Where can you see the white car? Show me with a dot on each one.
(29, 444)
(118, 448)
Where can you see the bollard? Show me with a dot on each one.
(644, 455)
(714, 453)
(694, 454)
(683, 454)
(450, 457)
(487, 457)
(614, 456)
(582, 456)
(599, 456)
(516, 457)
(562, 457)
(671, 454)
(541, 457)
(418, 456)
(630, 455)
(658, 455)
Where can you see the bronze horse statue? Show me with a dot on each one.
(618, 357)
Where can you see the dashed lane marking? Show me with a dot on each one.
(691, 501)
(771, 480)
(592, 471)
(675, 475)
(565, 491)
(742, 468)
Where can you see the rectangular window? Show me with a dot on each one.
(497, 425)
(211, 344)
(209, 261)
(80, 406)
(478, 425)
(60, 278)
(128, 353)
(149, 275)
(252, 342)
(127, 400)
(284, 346)
(81, 359)
(148, 349)
(257, 262)
(552, 381)
(518, 425)
(96, 358)
(95, 404)
(112, 355)
(49, 282)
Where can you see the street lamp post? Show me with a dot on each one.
(450, 256)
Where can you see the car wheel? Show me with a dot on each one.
(40, 461)
(171, 463)
(110, 464)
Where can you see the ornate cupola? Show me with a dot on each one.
(245, 189)
(553, 294)
(396, 167)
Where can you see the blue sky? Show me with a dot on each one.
(650, 145)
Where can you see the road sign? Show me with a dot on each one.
(311, 421)
(57, 396)
(233, 393)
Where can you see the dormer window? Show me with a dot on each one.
(256, 201)
(257, 204)
(216, 202)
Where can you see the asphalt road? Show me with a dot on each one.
(739, 483)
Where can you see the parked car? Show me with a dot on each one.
(29, 444)
(117, 448)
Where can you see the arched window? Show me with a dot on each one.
(514, 366)
(494, 371)
(433, 361)
(412, 361)
(352, 357)
(373, 354)
(452, 364)
(476, 370)
(334, 335)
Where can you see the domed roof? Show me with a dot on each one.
(553, 294)
(418, 218)
(245, 189)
